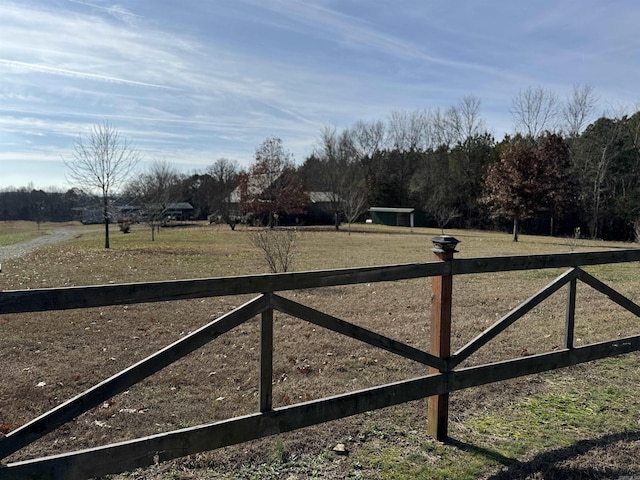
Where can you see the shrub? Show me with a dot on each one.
(125, 227)
(278, 246)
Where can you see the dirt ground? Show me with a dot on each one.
(49, 357)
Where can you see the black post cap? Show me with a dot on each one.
(445, 243)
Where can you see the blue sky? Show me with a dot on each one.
(191, 81)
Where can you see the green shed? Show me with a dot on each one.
(399, 217)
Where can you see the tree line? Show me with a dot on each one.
(562, 171)
(37, 205)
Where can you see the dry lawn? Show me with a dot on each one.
(46, 358)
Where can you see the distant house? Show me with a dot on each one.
(318, 211)
(129, 213)
(394, 216)
(180, 211)
(254, 186)
(269, 199)
(321, 208)
(93, 215)
(235, 204)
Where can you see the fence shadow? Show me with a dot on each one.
(548, 465)
(482, 451)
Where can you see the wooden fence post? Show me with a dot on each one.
(570, 315)
(266, 360)
(441, 291)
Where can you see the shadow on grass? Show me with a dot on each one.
(602, 459)
(481, 451)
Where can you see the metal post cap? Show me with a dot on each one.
(445, 243)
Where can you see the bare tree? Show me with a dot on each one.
(343, 174)
(464, 121)
(535, 110)
(579, 109)
(102, 163)
(156, 189)
(368, 141)
(225, 176)
(442, 211)
(409, 131)
(354, 199)
(442, 133)
(368, 138)
(335, 152)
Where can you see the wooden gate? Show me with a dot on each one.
(446, 377)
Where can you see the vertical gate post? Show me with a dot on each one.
(441, 291)
(570, 315)
(266, 360)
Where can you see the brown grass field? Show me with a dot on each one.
(575, 423)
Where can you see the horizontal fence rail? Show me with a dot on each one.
(121, 381)
(20, 301)
(179, 443)
(36, 300)
(445, 378)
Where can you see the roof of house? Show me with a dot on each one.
(321, 197)
(256, 184)
(180, 206)
(391, 210)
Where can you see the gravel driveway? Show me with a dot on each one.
(18, 249)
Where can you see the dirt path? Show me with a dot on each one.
(16, 250)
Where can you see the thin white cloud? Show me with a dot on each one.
(355, 33)
(188, 80)
(117, 11)
(19, 67)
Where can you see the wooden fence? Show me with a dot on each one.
(444, 376)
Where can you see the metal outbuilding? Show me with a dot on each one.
(394, 216)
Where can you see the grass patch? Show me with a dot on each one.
(430, 462)
(12, 232)
(12, 238)
(569, 410)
